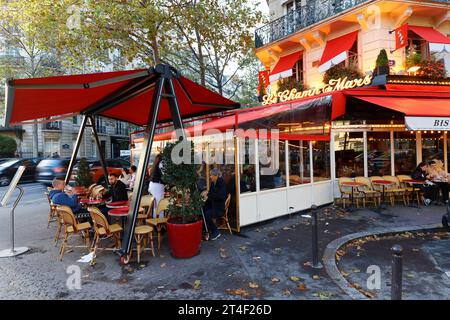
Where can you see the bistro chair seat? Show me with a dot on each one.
(52, 215)
(410, 190)
(395, 191)
(143, 234)
(346, 192)
(159, 223)
(72, 227)
(147, 203)
(103, 230)
(368, 192)
(222, 222)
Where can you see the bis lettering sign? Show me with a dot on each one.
(427, 123)
(333, 85)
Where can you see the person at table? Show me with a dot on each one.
(117, 190)
(439, 176)
(60, 196)
(429, 189)
(156, 187)
(133, 170)
(125, 176)
(215, 204)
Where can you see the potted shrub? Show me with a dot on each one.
(185, 224)
(83, 177)
(382, 63)
(341, 71)
(289, 84)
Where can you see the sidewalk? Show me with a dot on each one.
(269, 261)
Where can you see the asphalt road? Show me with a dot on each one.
(34, 192)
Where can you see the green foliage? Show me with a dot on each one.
(185, 200)
(382, 59)
(341, 71)
(413, 59)
(289, 84)
(432, 69)
(84, 177)
(8, 147)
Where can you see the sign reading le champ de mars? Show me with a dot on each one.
(333, 85)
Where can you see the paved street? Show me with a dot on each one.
(268, 261)
(34, 193)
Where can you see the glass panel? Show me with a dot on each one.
(321, 160)
(378, 153)
(299, 164)
(247, 166)
(432, 146)
(272, 164)
(349, 154)
(404, 152)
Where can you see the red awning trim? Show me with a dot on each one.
(437, 41)
(123, 95)
(336, 51)
(283, 68)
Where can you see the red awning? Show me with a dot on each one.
(437, 41)
(283, 68)
(336, 51)
(129, 92)
(427, 107)
(242, 119)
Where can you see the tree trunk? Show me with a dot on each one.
(201, 60)
(35, 140)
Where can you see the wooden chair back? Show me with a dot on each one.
(101, 224)
(67, 216)
(162, 206)
(343, 188)
(147, 202)
(393, 179)
(366, 181)
(227, 205)
(97, 192)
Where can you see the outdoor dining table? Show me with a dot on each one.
(79, 191)
(414, 182)
(122, 212)
(117, 204)
(353, 185)
(383, 183)
(91, 202)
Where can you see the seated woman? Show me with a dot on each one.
(429, 189)
(439, 176)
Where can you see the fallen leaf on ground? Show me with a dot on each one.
(356, 270)
(286, 292)
(286, 228)
(163, 265)
(294, 278)
(257, 258)
(307, 264)
(415, 250)
(355, 285)
(410, 275)
(243, 248)
(324, 295)
(316, 277)
(274, 279)
(223, 253)
(345, 274)
(238, 292)
(197, 284)
(253, 285)
(302, 287)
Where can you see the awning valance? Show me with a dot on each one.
(283, 68)
(122, 95)
(437, 41)
(336, 51)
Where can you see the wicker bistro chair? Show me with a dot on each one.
(410, 190)
(147, 203)
(103, 230)
(396, 191)
(369, 193)
(159, 223)
(346, 192)
(223, 222)
(72, 227)
(52, 215)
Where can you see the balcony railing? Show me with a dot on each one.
(101, 129)
(54, 126)
(122, 131)
(313, 12)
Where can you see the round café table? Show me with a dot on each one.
(383, 183)
(414, 183)
(354, 185)
(117, 204)
(91, 202)
(122, 212)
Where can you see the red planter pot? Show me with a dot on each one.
(185, 239)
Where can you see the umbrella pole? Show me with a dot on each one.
(99, 148)
(73, 159)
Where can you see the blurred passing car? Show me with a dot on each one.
(112, 166)
(48, 169)
(9, 167)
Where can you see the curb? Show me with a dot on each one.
(329, 255)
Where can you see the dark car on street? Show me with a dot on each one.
(9, 167)
(48, 169)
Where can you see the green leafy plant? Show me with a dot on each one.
(8, 146)
(84, 177)
(341, 71)
(289, 84)
(179, 175)
(413, 59)
(432, 69)
(382, 59)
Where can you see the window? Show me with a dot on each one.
(417, 45)
(404, 152)
(378, 153)
(321, 160)
(432, 145)
(349, 154)
(247, 165)
(272, 164)
(51, 147)
(299, 164)
(297, 71)
(75, 120)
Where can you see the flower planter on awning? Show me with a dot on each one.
(283, 68)
(437, 41)
(336, 51)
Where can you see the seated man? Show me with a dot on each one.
(59, 197)
(215, 203)
(429, 189)
(117, 192)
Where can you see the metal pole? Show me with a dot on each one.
(397, 270)
(75, 149)
(315, 239)
(140, 173)
(12, 252)
(99, 148)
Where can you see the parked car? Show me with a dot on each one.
(112, 166)
(9, 167)
(48, 169)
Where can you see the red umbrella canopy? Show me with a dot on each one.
(121, 95)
